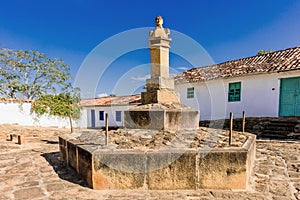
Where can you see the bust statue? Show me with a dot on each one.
(159, 31)
(159, 21)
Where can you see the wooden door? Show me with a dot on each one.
(289, 97)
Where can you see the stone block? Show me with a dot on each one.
(119, 170)
(9, 137)
(157, 83)
(221, 169)
(85, 164)
(159, 58)
(183, 119)
(250, 147)
(72, 154)
(29, 193)
(62, 148)
(21, 139)
(172, 119)
(160, 96)
(159, 42)
(144, 119)
(172, 170)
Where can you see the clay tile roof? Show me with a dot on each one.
(278, 61)
(110, 101)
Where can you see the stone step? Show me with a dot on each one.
(283, 123)
(278, 132)
(273, 135)
(281, 128)
(294, 135)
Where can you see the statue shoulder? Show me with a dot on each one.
(151, 33)
(167, 31)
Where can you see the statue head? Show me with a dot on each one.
(159, 21)
(159, 31)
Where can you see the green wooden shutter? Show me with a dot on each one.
(234, 91)
(190, 92)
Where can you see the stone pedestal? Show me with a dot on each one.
(161, 117)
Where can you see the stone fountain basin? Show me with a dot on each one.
(165, 169)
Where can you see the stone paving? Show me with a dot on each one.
(34, 170)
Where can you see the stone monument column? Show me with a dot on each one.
(160, 108)
(160, 87)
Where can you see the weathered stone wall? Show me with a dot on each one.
(252, 124)
(220, 168)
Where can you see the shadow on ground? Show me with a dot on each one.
(50, 142)
(63, 171)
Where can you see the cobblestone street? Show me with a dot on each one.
(34, 170)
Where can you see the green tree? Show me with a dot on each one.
(62, 105)
(263, 52)
(29, 74)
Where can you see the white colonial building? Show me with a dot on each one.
(262, 86)
(95, 109)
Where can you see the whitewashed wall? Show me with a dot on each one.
(259, 96)
(111, 115)
(16, 113)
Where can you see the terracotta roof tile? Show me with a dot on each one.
(109, 101)
(279, 61)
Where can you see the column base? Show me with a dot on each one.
(160, 96)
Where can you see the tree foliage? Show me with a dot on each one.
(62, 105)
(263, 52)
(29, 74)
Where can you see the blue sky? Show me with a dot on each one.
(70, 30)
